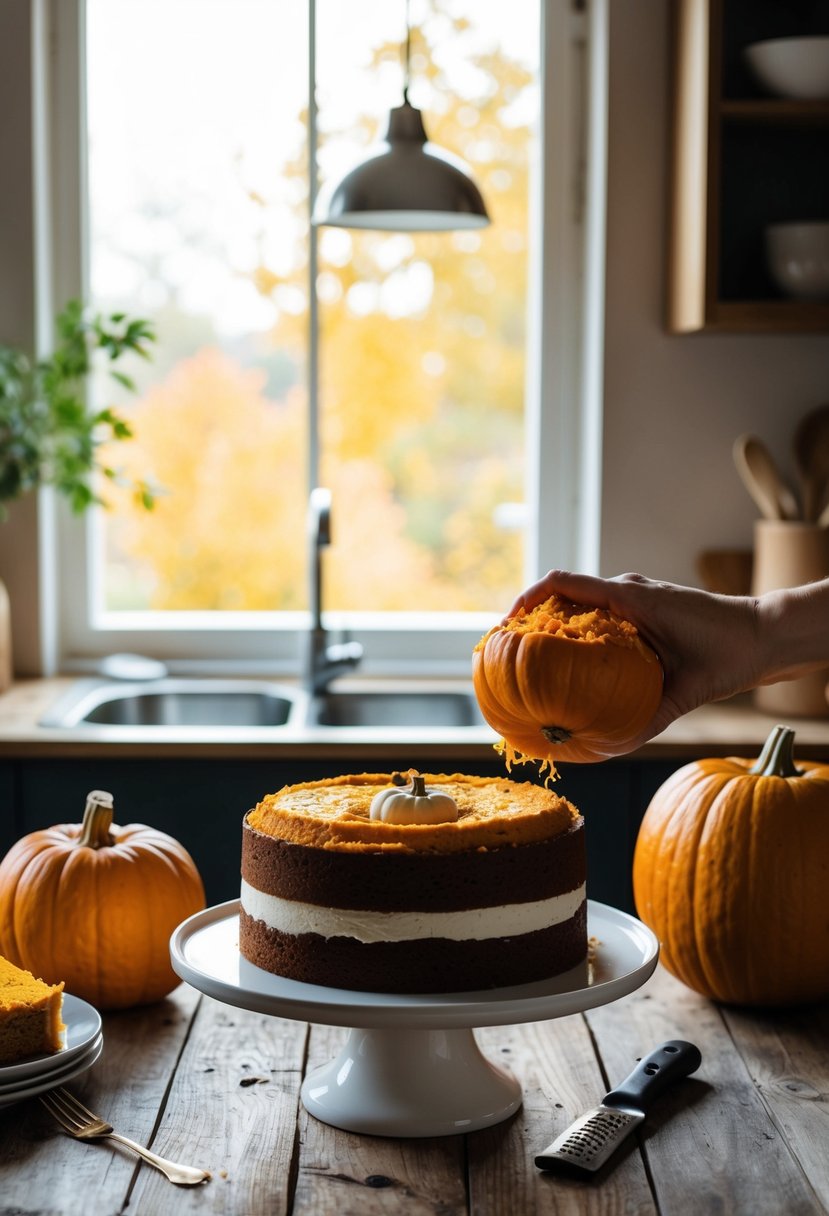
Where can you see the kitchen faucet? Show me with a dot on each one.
(324, 660)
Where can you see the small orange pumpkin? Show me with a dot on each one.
(566, 682)
(94, 905)
(731, 871)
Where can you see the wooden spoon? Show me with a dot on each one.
(811, 449)
(762, 479)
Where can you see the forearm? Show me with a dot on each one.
(793, 629)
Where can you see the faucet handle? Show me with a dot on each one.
(347, 653)
(319, 516)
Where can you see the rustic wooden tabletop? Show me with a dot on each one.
(218, 1087)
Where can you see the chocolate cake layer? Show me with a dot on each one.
(429, 882)
(428, 965)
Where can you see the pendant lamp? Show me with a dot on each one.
(408, 184)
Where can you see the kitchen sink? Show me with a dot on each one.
(173, 702)
(395, 709)
(195, 702)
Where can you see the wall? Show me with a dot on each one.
(674, 405)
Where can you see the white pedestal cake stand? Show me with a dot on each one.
(411, 1065)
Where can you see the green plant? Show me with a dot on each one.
(48, 435)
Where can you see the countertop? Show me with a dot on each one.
(218, 1087)
(733, 727)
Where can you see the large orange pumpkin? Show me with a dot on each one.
(94, 905)
(566, 682)
(731, 871)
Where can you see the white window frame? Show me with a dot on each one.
(564, 388)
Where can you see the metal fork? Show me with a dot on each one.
(79, 1122)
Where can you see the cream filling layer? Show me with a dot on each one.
(473, 924)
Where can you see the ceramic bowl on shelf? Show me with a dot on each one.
(797, 256)
(797, 68)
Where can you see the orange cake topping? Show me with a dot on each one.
(336, 814)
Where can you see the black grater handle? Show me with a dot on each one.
(654, 1073)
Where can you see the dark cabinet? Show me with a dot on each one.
(201, 804)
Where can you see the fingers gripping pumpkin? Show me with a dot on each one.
(565, 682)
(94, 905)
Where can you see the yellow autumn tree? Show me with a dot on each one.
(228, 531)
(228, 461)
(421, 406)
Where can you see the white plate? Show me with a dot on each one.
(205, 952)
(59, 1076)
(83, 1025)
(60, 1065)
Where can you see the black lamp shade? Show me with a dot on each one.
(408, 185)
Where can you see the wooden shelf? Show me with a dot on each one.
(762, 110)
(739, 163)
(767, 316)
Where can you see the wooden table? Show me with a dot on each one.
(218, 1087)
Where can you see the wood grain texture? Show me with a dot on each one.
(710, 1136)
(42, 1170)
(342, 1174)
(231, 1109)
(562, 1078)
(218, 1087)
(785, 1054)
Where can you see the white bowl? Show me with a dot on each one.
(791, 67)
(797, 256)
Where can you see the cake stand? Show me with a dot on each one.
(411, 1065)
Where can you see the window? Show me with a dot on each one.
(424, 385)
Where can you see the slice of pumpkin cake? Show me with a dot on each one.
(30, 1014)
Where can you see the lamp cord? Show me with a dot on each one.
(408, 54)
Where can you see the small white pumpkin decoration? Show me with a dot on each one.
(416, 804)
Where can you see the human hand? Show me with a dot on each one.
(710, 646)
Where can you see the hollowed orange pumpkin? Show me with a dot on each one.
(94, 905)
(731, 871)
(566, 682)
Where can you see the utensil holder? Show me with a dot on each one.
(789, 554)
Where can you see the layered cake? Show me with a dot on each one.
(414, 883)
(30, 1014)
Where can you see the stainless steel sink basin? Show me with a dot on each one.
(210, 703)
(395, 709)
(173, 702)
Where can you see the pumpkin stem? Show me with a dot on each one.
(97, 820)
(777, 757)
(418, 789)
(555, 734)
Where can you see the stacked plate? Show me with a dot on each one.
(83, 1041)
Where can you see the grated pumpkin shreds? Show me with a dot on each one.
(560, 616)
(512, 756)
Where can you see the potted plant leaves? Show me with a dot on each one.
(48, 434)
